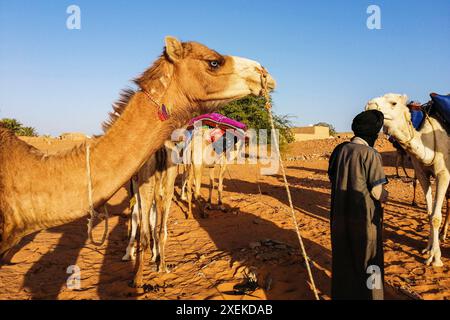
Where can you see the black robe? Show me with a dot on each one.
(356, 223)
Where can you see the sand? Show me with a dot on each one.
(209, 256)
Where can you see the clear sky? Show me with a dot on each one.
(326, 61)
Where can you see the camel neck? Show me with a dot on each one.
(52, 190)
(419, 150)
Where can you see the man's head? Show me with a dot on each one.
(367, 125)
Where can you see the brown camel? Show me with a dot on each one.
(153, 189)
(40, 191)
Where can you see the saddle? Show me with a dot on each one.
(225, 132)
(439, 108)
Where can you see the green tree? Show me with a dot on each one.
(331, 127)
(251, 111)
(18, 128)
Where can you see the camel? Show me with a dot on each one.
(152, 189)
(40, 191)
(199, 155)
(429, 148)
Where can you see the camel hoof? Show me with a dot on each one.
(426, 251)
(164, 269)
(438, 264)
(208, 206)
(155, 258)
(222, 208)
(433, 261)
(414, 204)
(129, 257)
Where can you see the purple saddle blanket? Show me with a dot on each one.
(217, 120)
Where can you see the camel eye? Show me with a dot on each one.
(214, 64)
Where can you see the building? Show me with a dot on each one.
(73, 136)
(311, 133)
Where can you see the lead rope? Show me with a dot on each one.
(268, 106)
(435, 141)
(94, 214)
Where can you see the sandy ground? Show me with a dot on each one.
(209, 256)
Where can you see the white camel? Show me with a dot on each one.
(199, 154)
(429, 148)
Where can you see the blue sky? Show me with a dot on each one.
(326, 61)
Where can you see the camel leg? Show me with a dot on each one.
(144, 242)
(146, 195)
(169, 191)
(223, 168)
(414, 203)
(153, 227)
(198, 173)
(447, 220)
(189, 187)
(212, 179)
(131, 249)
(425, 183)
(404, 165)
(130, 253)
(184, 182)
(397, 164)
(442, 181)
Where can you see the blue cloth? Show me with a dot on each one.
(441, 104)
(226, 142)
(417, 117)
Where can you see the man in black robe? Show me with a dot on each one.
(357, 177)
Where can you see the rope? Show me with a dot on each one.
(435, 142)
(265, 94)
(94, 214)
(412, 133)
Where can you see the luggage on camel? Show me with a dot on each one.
(225, 132)
(439, 108)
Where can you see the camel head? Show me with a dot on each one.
(397, 118)
(204, 79)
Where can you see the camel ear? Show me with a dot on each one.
(174, 48)
(405, 99)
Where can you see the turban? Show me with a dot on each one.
(367, 125)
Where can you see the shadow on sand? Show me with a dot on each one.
(229, 233)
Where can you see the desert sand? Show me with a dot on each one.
(208, 257)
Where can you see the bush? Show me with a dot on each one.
(251, 111)
(17, 127)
